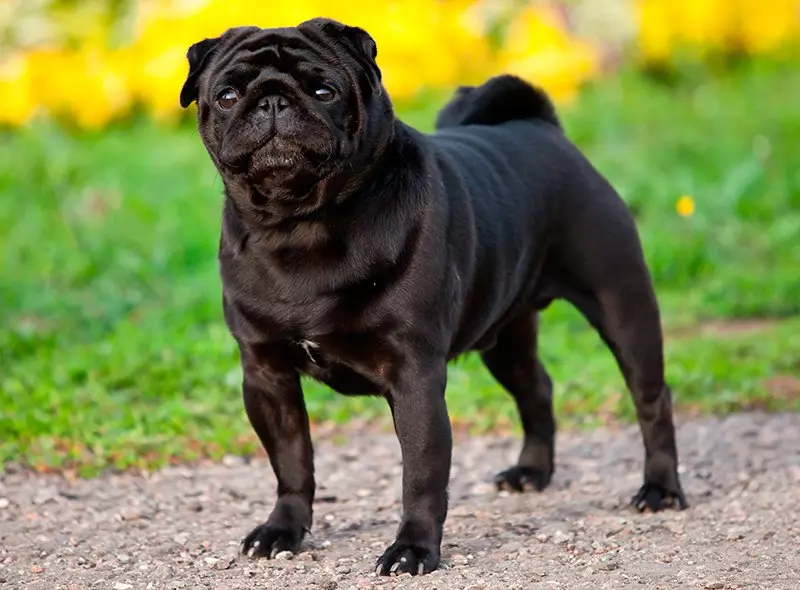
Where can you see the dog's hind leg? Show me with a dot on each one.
(627, 319)
(602, 268)
(514, 362)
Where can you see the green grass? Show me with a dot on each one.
(113, 348)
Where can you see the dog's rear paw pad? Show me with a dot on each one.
(653, 497)
(269, 540)
(523, 479)
(401, 558)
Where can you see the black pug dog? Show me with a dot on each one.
(365, 254)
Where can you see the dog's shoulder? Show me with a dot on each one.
(499, 100)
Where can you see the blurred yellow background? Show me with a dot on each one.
(93, 61)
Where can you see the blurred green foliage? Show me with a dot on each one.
(113, 347)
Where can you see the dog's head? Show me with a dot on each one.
(287, 113)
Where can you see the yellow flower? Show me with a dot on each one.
(685, 206)
(709, 25)
(706, 23)
(766, 24)
(87, 85)
(421, 44)
(15, 88)
(657, 31)
(51, 71)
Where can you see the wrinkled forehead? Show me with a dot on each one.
(248, 52)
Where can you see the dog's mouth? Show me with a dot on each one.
(278, 170)
(269, 155)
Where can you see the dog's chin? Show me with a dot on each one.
(281, 178)
(283, 171)
(274, 186)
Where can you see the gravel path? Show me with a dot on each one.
(181, 527)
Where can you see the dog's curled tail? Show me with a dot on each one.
(500, 99)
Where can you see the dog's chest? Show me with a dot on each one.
(331, 340)
(260, 316)
(270, 306)
(356, 363)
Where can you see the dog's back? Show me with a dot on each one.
(504, 162)
(500, 147)
(501, 99)
(499, 134)
(510, 172)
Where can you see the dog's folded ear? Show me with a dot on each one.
(197, 55)
(359, 43)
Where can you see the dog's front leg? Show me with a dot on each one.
(423, 429)
(273, 400)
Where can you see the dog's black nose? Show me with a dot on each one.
(274, 102)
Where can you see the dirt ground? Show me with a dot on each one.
(181, 527)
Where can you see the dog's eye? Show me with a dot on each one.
(324, 94)
(227, 98)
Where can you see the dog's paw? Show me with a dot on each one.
(523, 479)
(401, 558)
(653, 497)
(268, 540)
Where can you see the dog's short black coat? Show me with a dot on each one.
(365, 254)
